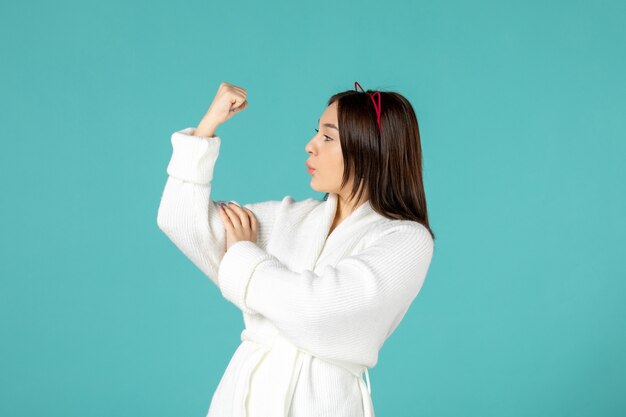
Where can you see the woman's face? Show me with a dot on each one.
(325, 156)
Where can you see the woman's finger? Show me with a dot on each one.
(241, 214)
(228, 222)
(228, 226)
(222, 213)
(234, 217)
(253, 219)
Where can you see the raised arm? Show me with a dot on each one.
(188, 215)
(344, 312)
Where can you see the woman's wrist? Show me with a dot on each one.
(206, 127)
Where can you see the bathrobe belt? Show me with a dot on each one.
(282, 363)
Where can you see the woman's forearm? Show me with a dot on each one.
(207, 126)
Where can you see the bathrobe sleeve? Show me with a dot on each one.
(344, 311)
(188, 215)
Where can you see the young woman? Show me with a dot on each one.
(321, 283)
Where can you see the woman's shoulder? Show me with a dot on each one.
(288, 205)
(286, 208)
(304, 202)
(400, 228)
(277, 204)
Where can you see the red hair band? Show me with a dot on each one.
(376, 107)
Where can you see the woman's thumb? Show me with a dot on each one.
(243, 106)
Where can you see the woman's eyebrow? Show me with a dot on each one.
(329, 125)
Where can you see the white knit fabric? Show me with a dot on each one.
(317, 308)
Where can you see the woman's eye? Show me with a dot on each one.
(327, 137)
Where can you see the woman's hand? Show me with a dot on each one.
(228, 101)
(240, 223)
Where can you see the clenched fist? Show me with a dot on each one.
(228, 101)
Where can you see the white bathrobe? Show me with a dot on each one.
(316, 309)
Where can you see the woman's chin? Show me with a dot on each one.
(315, 187)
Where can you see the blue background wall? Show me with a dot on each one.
(522, 114)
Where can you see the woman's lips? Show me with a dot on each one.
(310, 170)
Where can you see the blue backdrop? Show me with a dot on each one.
(522, 114)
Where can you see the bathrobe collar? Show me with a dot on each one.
(363, 215)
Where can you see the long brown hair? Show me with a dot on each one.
(390, 168)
